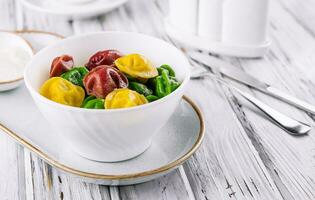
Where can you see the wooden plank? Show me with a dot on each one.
(227, 165)
(12, 185)
(7, 17)
(169, 186)
(86, 25)
(40, 21)
(289, 160)
(302, 12)
(46, 182)
(12, 182)
(293, 55)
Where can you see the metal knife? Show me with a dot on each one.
(232, 72)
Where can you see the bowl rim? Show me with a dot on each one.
(79, 109)
(28, 44)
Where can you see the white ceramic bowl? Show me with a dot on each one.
(108, 135)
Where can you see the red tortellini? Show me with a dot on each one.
(103, 79)
(106, 57)
(60, 65)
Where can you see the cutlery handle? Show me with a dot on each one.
(291, 125)
(291, 100)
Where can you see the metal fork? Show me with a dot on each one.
(292, 126)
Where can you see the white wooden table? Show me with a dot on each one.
(243, 156)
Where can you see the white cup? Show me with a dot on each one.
(183, 15)
(210, 19)
(229, 27)
(244, 22)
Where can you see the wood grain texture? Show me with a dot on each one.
(228, 165)
(288, 160)
(170, 186)
(243, 156)
(291, 159)
(12, 172)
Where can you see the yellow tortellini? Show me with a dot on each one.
(136, 66)
(63, 91)
(124, 98)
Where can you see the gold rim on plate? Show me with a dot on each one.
(17, 32)
(71, 170)
(39, 32)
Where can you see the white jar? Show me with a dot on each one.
(229, 27)
(183, 15)
(210, 19)
(244, 22)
